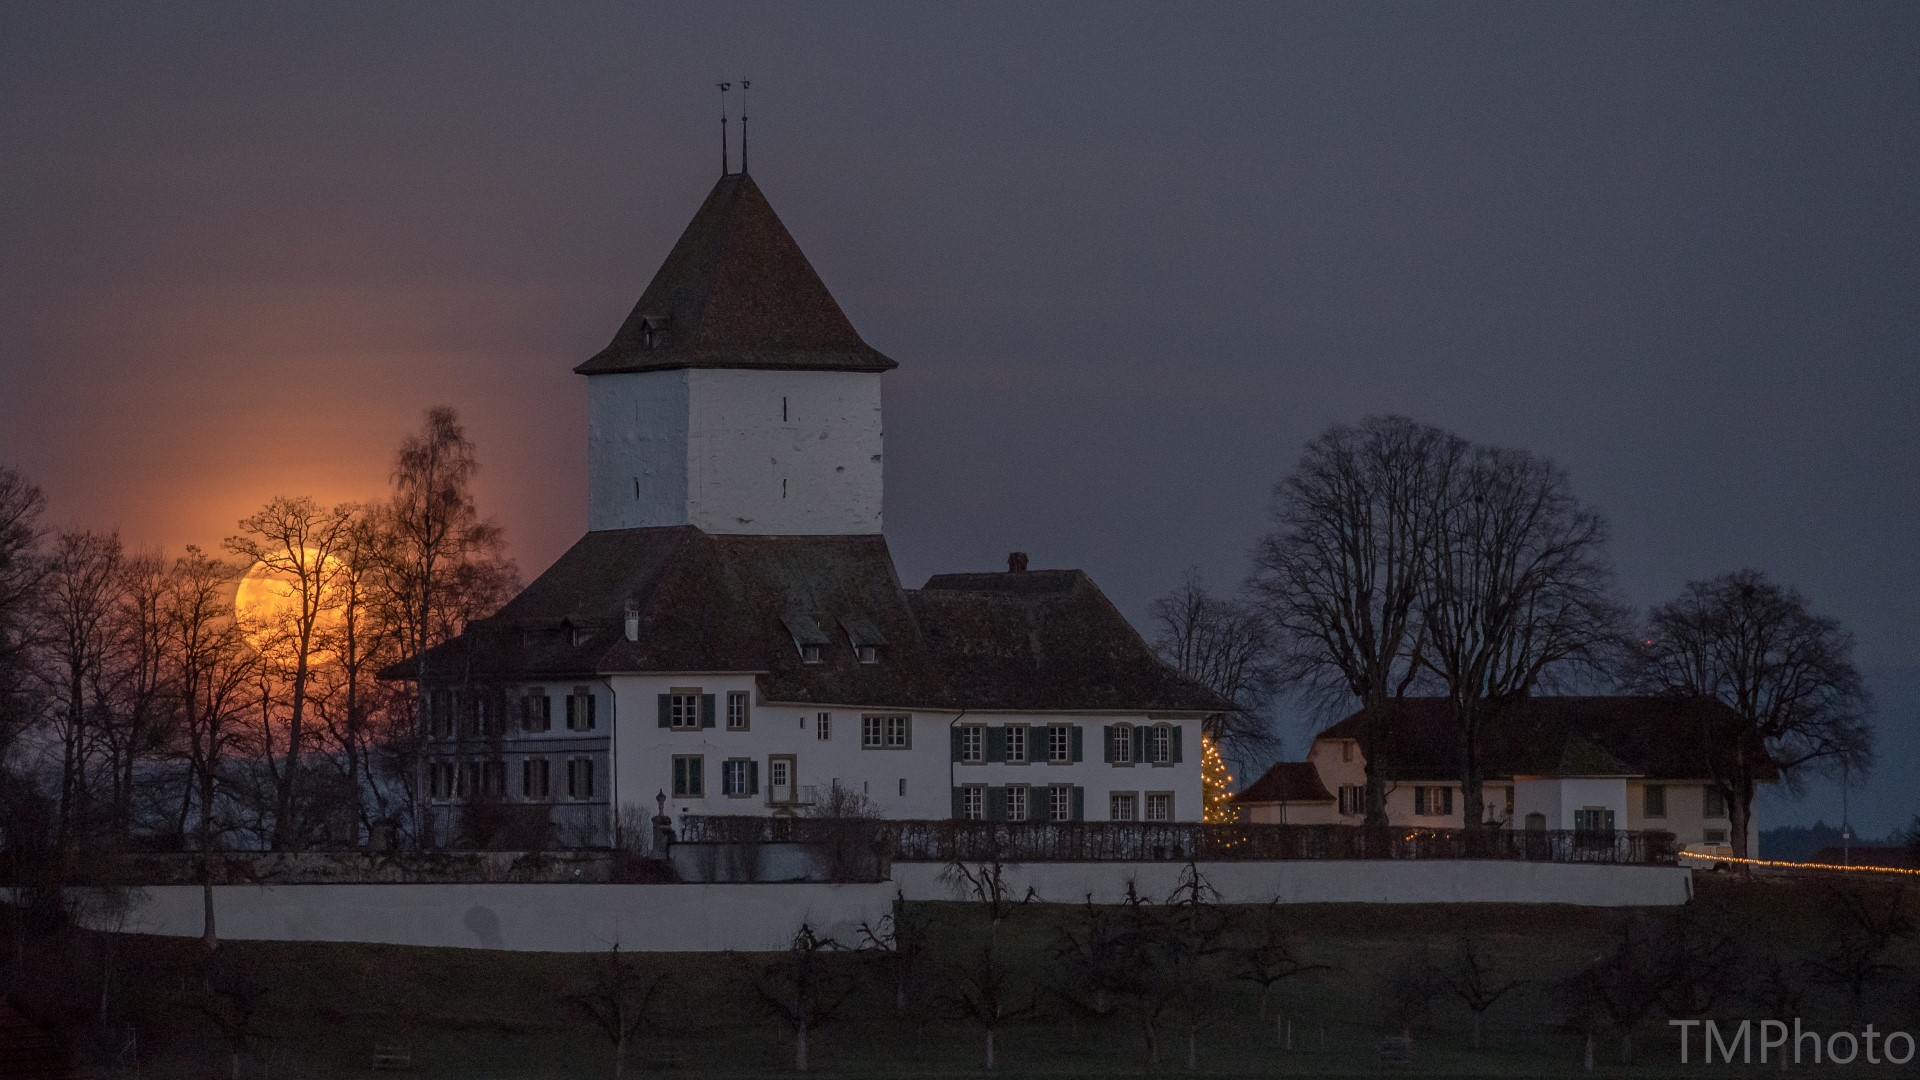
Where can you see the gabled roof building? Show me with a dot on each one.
(731, 637)
(1587, 764)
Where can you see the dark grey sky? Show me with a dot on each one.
(1129, 257)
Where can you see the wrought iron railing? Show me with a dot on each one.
(1125, 841)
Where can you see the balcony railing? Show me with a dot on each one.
(1123, 841)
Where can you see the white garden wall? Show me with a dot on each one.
(764, 917)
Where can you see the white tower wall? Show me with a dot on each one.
(736, 451)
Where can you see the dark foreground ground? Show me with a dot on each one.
(319, 1010)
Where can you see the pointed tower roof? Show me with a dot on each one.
(736, 292)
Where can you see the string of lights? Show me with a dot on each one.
(1801, 865)
(1216, 785)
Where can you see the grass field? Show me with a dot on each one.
(506, 1016)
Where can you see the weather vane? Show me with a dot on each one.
(724, 87)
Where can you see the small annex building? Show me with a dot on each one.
(731, 636)
(1596, 763)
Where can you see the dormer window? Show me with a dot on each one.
(865, 638)
(652, 331)
(808, 638)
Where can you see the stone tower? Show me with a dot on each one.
(736, 397)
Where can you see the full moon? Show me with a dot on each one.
(268, 600)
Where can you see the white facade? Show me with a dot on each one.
(736, 451)
(711, 746)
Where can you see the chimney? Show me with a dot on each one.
(1016, 562)
(633, 620)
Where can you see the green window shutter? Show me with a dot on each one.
(1074, 738)
(753, 778)
(573, 707)
(955, 732)
(1106, 744)
(997, 743)
(666, 710)
(1140, 742)
(1079, 803)
(1176, 742)
(706, 710)
(593, 701)
(996, 804)
(959, 809)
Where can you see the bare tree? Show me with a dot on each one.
(1863, 925)
(1473, 980)
(1516, 592)
(803, 988)
(132, 685)
(357, 641)
(21, 572)
(1798, 703)
(442, 563)
(1341, 572)
(1267, 956)
(300, 543)
(212, 668)
(900, 941)
(1227, 645)
(618, 1002)
(78, 604)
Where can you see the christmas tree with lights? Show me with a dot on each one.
(1216, 785)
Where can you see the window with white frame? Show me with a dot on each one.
(580, 709)
(1017, 806)
(1016, 744)
(580, 778)
(493, 779)
(1159, 806)
(536, 711)
(867, 654)
(973, 802)
(1433, 801)
(1059, 742)
(689, 776)
(737, 709)
(533, 778)
(736, 777)
(898, 732)
(1060, 802)
(823, 726)
(683, 708)
(872, 732)
(1353, 800)
(1120, 749)
(809, 653)
(1123, 806)
(973, 742)
(1160, 744)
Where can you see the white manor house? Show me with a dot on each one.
(731, 636)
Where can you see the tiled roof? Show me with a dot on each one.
(1661, 738)
(1046, 640)
(736, 292)
(1286, 781)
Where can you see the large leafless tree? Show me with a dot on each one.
(21, 571)
(299, 542)
(444, 564)
(1341, 572)
(1786, 673)
(1516, 591)
(1227, 645)
(80, 593)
